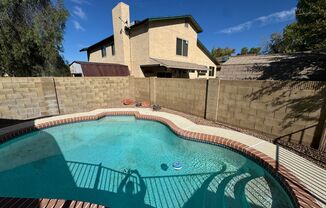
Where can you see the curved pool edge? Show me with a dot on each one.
(290, 182)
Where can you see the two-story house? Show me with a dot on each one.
(162, 47)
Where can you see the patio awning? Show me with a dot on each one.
(174, 64)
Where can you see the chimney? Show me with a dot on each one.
(121, 19)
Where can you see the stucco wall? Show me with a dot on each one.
(163, 40)
(159, 41)
(139, 50)
(121, 39)
(121, 15)
(96, 56)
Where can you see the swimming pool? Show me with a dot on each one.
(120, 161)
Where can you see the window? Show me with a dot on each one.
(186, 25)
(103, 51)
(201, 73)
(179, 46)
(211, 71)
(182, 47)
(113, 50)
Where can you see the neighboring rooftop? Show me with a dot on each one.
(254, 59)
(297, 66)
(95, 69)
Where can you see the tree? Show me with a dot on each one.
(244, 51)
(31, 35)
(276, 44)
(255, 51)
(311, 24)
(307, 33)
(292, 39)
(220, 52)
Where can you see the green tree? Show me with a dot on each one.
(31, 35)
(307, 33)
(311, 24)
(220, 52)
(255, 51)
(244, 51)
(292, 39)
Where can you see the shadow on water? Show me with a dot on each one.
(38, 169)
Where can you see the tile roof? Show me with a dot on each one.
(295, 66)
(254, 59)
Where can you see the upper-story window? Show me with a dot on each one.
(103, 51)
(182, 47)
(113, 50)
(211, 71)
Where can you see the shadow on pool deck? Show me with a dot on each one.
(9, 122)
(38, 169)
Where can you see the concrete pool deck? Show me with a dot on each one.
(311, 178)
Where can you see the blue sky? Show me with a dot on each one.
(226, 23)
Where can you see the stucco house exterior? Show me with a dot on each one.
(161, 47)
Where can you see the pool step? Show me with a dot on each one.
(44, 203)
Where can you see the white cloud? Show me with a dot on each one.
(80, 2)
(78, 11)
(78, 26)
(276, 17)
(238, 28)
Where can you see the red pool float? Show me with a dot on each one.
(128, 101)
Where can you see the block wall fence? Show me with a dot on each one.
(291, 110)
(27, 98)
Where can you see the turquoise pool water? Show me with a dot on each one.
(120, 161)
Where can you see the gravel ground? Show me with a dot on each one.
(313, 155)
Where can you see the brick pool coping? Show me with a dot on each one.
(44, 203)
(289, 182)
